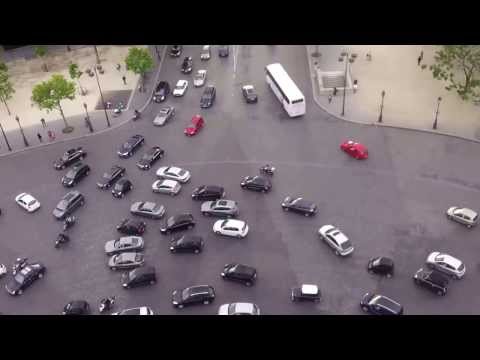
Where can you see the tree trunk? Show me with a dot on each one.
(45, 68)
(96, 54)
(5, 102)
(82, 92)
(63, 115)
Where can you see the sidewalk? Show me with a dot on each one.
(75, 117)
(410, 93)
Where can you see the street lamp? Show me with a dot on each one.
(87, 118)
(101, 96)
(347, 58)
(21, 130)
(158, 53)
(380, 118)
(436, 113)
(96, 54)
(5, 137)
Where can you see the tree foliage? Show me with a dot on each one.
(3, 66)
(6, 88)
(75, 74)
(459, 66)
(41, 52)
(139, 61)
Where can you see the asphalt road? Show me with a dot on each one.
(392, 204)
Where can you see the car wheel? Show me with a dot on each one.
(286, 209)
(206, 302)
(113, 268)
(389, 275)
(205, 213)
(131, 187)
(196, 251)
(293, 298)
(264, 190)
(180, 306)
(189, 226)
(337, 253)
(364, 308)
(217, 232)
(122, 195)
(306, 214)
(469, 226)
(172, 194)
(20, 292)
(239, 236)
(40, 275)
(152, 282)
(88, 172)
(417, 281)
(440, 293)
(248, 283)
(82, 202)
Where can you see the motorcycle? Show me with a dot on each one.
(3, 270)
(267, 169)
(19, 264)
(136, 115)
(69, 222)
(106, 304)
(61, 239)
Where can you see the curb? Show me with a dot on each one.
(339, 117)
(12, 153)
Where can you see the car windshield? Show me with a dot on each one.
(185, 294)
(180, 86)
(346, 245)
(127, 145)
(19, 278)
(65, 157)
(107, 175)
(376, 262)
(199, 76)
(170, 221)
(163, 111)
(244, 227)
(182, 172)
(70, 174)
(32, 202)
(118, 186)
(147, 156)
(62, 205)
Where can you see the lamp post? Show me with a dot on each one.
(101, 96)
(96, 54)
(5, 137)
(158, 53)
(380, 117)
(87, 118)
(21, 130)
(436, 113)
(346, 57)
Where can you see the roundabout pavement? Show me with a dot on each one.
(393, 204)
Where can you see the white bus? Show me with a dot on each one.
(285, 89)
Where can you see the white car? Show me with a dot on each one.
(200, 78)
(336, 240)
(239, 309)
(446, 264)
(143, 310)
(464, 216)
(28, 202)
(174, 173)
(206, 53)
(230, 227)
(180, 88)
(166, 186)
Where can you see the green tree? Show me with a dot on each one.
(41, 52)
(6, 88)
(459, 66)
(49, 94)
(3, 66)
(139, 61)
(75, 74)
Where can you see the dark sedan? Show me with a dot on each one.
(76, 307)
(208, 97)
(175, 50)
(26, 277)
(306, 292)
(131, 227)
(380, 305)
(187, 244)
(299, 205)
(150, 158)
(208, 192)
(200, 294)
(130, 146)
(75, 174)
(69, 157)
(381, 265)
(141, 276)
(240, 273)
(187, 65)
(249, 94)
(109, 178)
(256, 183)
(177, 223)
(121, 188)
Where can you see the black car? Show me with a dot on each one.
(306, 292)
(187, 65)
(175, 50)
(177, 223)
(299, 205)
(75, 174)
(121, 188)
(256, 183)
(161, 91)
(223, 50)
(380, 305)
(141, 276)
(70, 202)
(26, 277)
(187, 243)
(76, 307)
(131, 227)
(381, 265)
(249, 94)
(128, 148)
(208, 97)
(240, 273)
(69, 157)
(150, 158)
(433, 280)
(109, 178)
(208, 192)
(193, 295)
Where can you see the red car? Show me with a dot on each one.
(355, 150)
(197, 124)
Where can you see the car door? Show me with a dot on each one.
(332, 242)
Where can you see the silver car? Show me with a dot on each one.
(126, 260)
(173, 173)
(464, 216)
(239, 309)
(126, 243)
(164, 115)
(148, 209)
(336, 240)
(166, 186)
(200, 78)
(221, 208)
(446, 264)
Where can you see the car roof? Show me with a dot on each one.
(387, 302)
(438, 277)
(202, 71)
(244, 308)
(243, 269)
(169, 182)
(469, 212)
(449, 260)
(247, 87)
(234, 222)
(385, 261)
(188, 238)
(228, 203)
(143, 270)
(184, 216)
(197, 289)
(309, 289)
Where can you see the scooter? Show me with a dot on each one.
(19, 264)
(69, 222)
(61, 239)
(106, 304)
(136, 115)
(3, 270)
(267, 169)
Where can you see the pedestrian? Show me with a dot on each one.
(369, 56)
(355, 86)
(124, 80)
(51, 135)
(421, 54)
(330, 97)
(39, 137)
(419, 60)
(119, 67)
(44, 124)
(334, 91)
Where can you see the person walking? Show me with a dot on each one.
(119, 67)
(355, 86)
(330, 97)
(420, 58)
(334, 91)
(44, 124)
(51, 135)
(39, 137)
(369, 56)
(124, 80)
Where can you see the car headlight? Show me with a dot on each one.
(175, 302)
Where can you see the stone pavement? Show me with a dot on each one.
(410, 93)
(74, 111)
